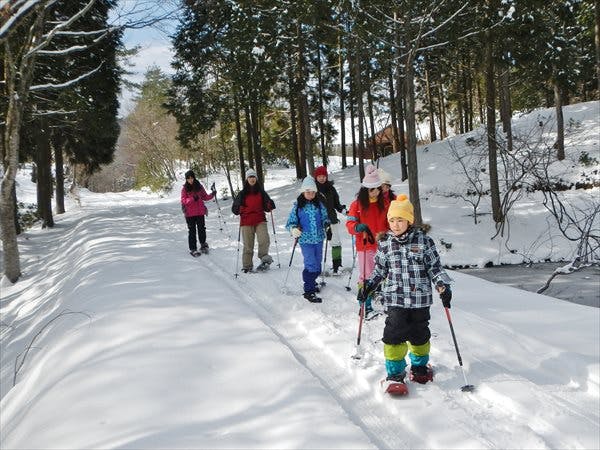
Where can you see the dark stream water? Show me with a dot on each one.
(582, 287)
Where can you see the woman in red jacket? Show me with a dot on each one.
(251, 204)
(366, 218)
(193, 196)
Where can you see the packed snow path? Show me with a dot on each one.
(177, 352)
(438, 415)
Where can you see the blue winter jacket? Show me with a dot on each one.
(312, 219)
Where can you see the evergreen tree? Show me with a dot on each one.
(151, 133)
(36, 33)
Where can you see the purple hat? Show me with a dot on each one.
(371, 179)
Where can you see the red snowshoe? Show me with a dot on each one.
(421, 374)
(394, 385)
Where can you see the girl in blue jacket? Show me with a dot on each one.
(307, 223)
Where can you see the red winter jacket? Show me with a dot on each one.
(192, 207)
(252, 211)
(251, 204)
(372, 217)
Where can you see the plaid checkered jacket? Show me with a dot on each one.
(406, 266)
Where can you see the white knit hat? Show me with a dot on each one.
(384, 177)
(250, 173)
(308, 184)
(371, 179)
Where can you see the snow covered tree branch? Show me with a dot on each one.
(66, 84)
(52, 29)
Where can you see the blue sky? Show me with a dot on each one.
(154, 41)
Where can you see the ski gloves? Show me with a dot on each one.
(368, 288)
(365, 291)
(445, 294)
(297, 232)
(213, 189)
(362, 228)
(328, 232)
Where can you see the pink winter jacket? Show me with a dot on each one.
(193, 207)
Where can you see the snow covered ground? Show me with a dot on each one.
(116, 338)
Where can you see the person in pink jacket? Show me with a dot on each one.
(193, 196)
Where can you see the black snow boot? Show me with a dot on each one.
(312, 297)
(421, 374)
(337, 263)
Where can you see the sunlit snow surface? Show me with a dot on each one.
(134, 344)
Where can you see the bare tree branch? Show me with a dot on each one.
(19, 364)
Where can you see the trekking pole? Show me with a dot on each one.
(275, 236)
(221, 219)
(361, 313)
(353, 264)
(467, 387)
(323, 283)
(361, 316)
(237, 259)
(290, 264)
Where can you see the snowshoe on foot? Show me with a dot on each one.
(337, 263)
(394, 385)
(246, 270)
(263, 266)
(312, 297)
(204, 248)
(194, 253)
(340, 272)
(371, 314)
(421, 374)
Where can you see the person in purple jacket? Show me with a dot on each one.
(193, 196)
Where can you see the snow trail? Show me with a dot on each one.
(322, 338)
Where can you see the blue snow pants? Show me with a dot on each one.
(312, 254)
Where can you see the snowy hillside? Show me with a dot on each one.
(117, 338)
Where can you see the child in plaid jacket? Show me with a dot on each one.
(406, 264)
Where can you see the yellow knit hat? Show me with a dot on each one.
(402, 208)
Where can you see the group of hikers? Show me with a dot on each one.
(397, 262)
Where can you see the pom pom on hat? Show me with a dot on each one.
(385, 177)
(371, 179)
(402, 208)
(308, 184)
(321, 170)
(250, 173)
